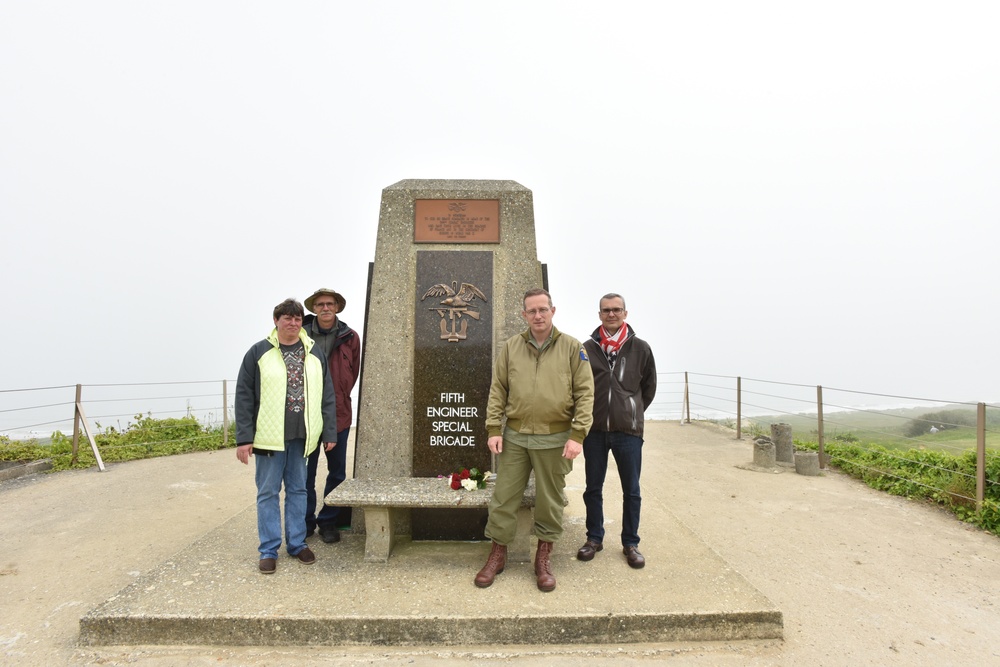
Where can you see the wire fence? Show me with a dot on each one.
(887, 433)
(817, 414)
(162, 413)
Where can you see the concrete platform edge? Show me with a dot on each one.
(96, 629)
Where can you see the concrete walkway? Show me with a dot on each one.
(212, 593)
(857, 577)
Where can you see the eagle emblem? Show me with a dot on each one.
(454, 307)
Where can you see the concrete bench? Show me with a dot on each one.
(382, 498)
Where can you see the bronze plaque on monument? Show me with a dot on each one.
(456, 221)
(453, 367)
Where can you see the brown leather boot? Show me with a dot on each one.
(494, 566)
(543, 567)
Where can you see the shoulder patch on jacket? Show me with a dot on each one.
(583, 354)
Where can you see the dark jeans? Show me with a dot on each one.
(336, 465)
(627, 450)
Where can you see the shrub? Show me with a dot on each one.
(943, 420)
(21, 451)
(936, 476)
(145, 438)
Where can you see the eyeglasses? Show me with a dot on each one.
(325, 304)
(540, 311)
(608, 311)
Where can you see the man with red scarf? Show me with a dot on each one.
(624, 386)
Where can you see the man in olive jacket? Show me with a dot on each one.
(625, 384)
(543, 386)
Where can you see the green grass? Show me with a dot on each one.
(145, 438)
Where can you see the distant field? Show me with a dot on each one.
(891, 428)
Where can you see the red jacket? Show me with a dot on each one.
(343, 347)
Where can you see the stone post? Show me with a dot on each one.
(763, 453)
(807, 463)
(784, 451)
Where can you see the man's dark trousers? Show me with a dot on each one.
(627, 450)
(336, 465)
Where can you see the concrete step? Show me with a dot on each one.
(213, 594)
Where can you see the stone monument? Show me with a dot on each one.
(452, 260)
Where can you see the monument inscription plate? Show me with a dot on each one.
(456, 221)
(453, 365)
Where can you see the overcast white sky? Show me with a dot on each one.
(800, 192)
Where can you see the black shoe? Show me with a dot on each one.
(589, 550)
(329, 534)
(634, 558)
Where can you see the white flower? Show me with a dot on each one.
(469, 484)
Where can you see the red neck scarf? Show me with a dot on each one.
(611, 344)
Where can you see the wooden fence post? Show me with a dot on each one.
(225, 414)
(687, 399)
(76, 423)
(739, 409)
(980, 455)
(819, 419)
(80, 417)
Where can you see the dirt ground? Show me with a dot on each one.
(861, 578)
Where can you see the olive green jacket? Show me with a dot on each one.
(542, 391)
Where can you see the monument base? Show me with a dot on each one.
(212, 594)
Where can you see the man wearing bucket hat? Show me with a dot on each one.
(341, 347)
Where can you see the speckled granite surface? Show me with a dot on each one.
(413, 492)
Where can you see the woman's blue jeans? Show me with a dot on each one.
(627, 450)
(289, 467)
